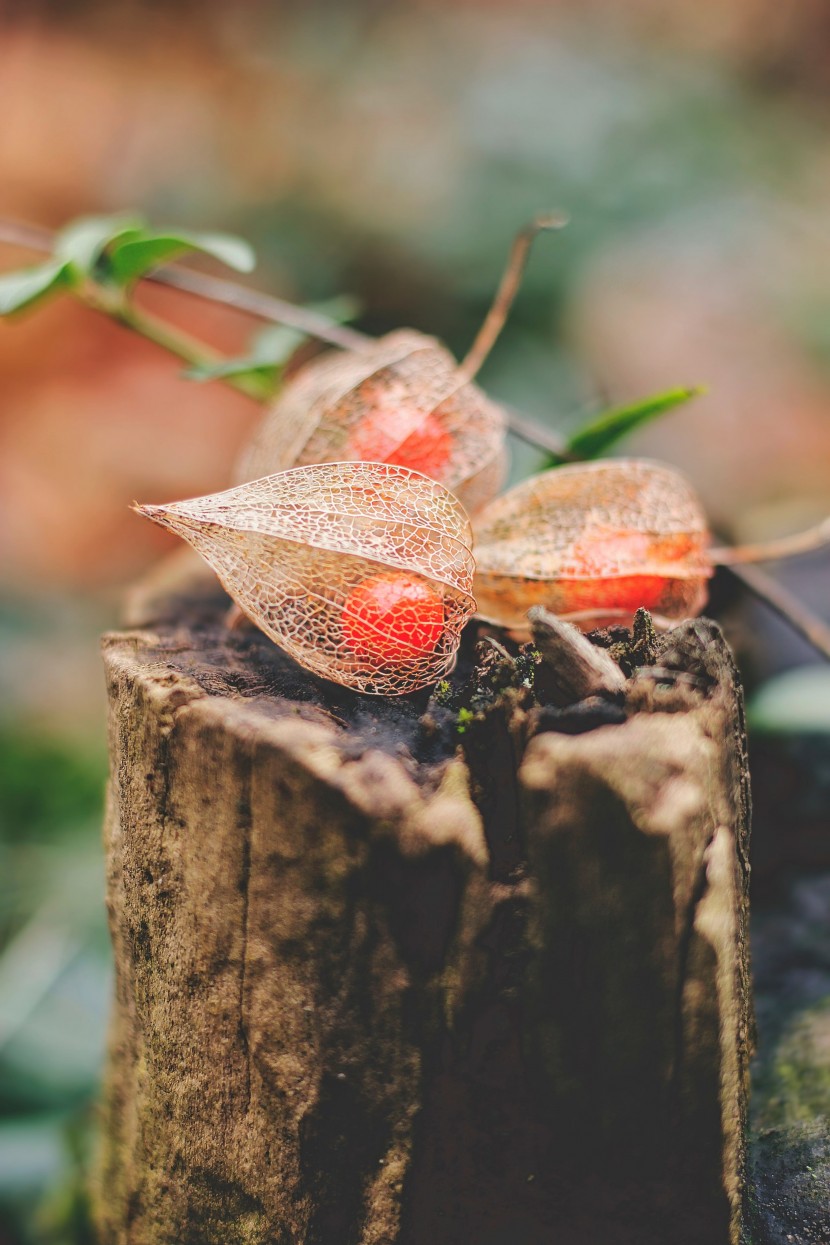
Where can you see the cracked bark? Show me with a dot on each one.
(375, 989)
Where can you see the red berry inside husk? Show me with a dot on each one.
(626, 593)
(393, 618)
(389, 434)
(596, 588)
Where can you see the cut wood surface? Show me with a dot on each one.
(418, 971)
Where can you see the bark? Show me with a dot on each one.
(390, 972)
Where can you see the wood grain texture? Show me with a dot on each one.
(380, 985)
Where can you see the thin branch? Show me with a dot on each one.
(785, 547)
(786, 605)
(506, 293)
(174, 341)
(263, 306)
(31, 237)
(214, 290)
(537, 435)
(275, 311)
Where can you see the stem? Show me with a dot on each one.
(542, 438)
(32, 237)
(277, 311)
(786, 605)
(175, 341)
(505, 294)
(214, 290)
(786, 547)
(263, 306)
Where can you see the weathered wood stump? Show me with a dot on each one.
(421, 973)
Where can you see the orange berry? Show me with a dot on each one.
(620, 592)
(597, 589)
(389, 434)
(393, 618)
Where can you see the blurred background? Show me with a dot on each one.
(390, 152)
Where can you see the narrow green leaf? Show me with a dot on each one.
(601, 433)
(275, 344)
(22, 289)
(229, 250)
(262, 379)
(223, 368)
(84, 241)
(262, 366)
(131, 258)
(340, 309)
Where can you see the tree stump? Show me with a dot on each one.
(410, 972)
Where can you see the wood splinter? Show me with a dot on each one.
(575, 668)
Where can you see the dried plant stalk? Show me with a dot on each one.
(592, 543)
(400, 401)
(362, 572)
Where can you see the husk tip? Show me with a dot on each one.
(158, 514)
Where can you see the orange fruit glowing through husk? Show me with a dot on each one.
(593, 589)
(361, 572)
(400, 436)
(594, 542)
(393, 618)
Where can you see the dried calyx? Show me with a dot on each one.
(399, 401)
(362, 572)
(592, 543)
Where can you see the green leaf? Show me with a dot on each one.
(131, 258)
(261, 367)
(224, 368)
(84, 241)
(22, 289)
(270, 349)
(262, 381)
(120, 249)
(601, 433)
